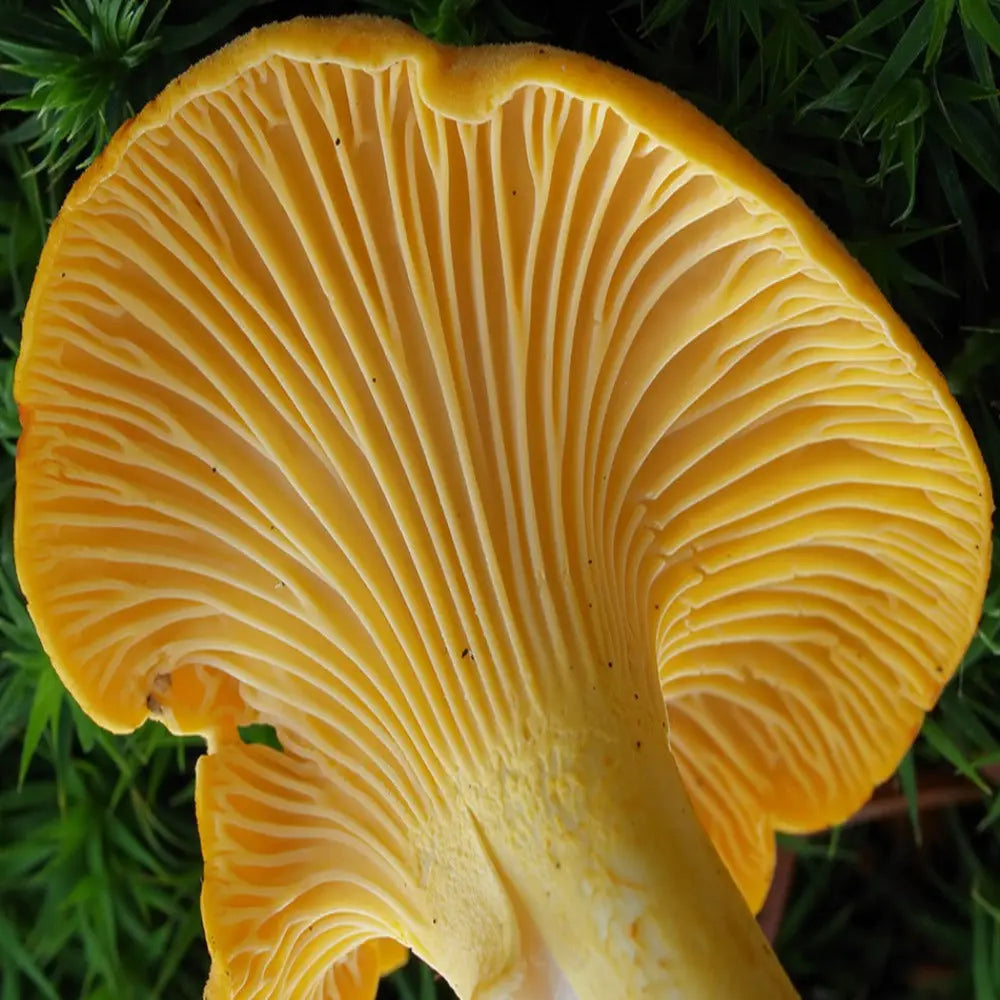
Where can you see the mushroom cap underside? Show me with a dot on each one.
(369, 385)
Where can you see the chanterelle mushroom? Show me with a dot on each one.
(452, 412)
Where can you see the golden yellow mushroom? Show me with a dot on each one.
(469, 416)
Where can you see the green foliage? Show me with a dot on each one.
(883, 114)
(460, 22)
(98, 865)
(263, 734)
(75, 65)
(904, 920)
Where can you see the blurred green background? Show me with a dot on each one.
(885, 117)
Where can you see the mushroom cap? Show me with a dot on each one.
(351, 345)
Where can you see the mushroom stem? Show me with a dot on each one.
(617, 888)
